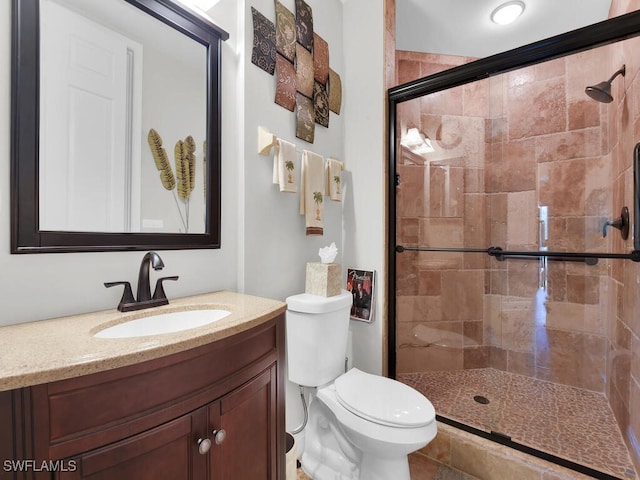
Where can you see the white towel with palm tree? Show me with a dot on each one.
(312, 192)
(285, 173)
(333, 182)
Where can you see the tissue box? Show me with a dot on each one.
(324, 279)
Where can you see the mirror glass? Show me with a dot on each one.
(122, 121)
(115, 126)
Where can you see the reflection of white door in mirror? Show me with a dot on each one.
(90, 99)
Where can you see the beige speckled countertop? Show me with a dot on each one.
(60, 348)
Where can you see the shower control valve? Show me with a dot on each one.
(621, 223)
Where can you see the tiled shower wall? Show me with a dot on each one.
(504, 146)
(623, 280)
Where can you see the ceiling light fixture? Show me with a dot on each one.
(507, 12)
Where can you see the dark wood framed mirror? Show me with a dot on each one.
(153, 213)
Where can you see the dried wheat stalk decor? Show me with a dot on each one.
(185, 160)
(161, 159)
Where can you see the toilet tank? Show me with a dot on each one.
(317, 332)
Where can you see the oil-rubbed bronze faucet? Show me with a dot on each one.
(144, 300)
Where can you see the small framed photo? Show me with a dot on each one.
(361, 284)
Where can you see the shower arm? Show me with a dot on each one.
(621, 71)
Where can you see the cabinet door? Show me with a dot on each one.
(248, 417)
(168, 452)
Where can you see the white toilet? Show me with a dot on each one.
(360, 426)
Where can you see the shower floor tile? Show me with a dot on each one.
(568, 422)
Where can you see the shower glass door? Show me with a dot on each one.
(523, 345)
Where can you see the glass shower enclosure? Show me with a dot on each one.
(514, 292)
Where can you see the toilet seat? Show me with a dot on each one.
(382, 400)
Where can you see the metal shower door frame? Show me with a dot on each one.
(586, 38)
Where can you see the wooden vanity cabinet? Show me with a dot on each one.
(214, 412)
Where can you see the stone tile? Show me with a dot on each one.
(574, 317)
(550, 69)
(564, 474)
(474, 221)
(442, 232)
(584, 114)
(416, 359)
(498, 358)
(473, 333)
(430, 282)
(439, 448)
(422, 467)
(476, 98)
(568, 145)
(495, 130)
(408, 231)
(433, 334)
(631, 297)
(523, 276)
(547, 97)
(474, 180)
(571, 358)
(445, 102)
(470, 458)
(446, 191)
(518, 331)
(635, 357)
(407, 273)
(497, 210)
(498, 282)
(410, 200)
(448, 473)
(493, 320)
(522, 218)
(518, 166)
(553, 192)
(633, 430)
(522, 363)
(569, 422)
(476, 357)
(408, 70)
(418, 308)
(460, 140)
(463, 299)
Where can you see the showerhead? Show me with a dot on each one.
(602, 91)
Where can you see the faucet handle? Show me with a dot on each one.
(127, 294)
(159, 294)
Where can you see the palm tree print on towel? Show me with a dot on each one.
(317, 197)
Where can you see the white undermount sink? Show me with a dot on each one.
(163, 323)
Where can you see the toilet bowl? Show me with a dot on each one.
(360, 426)
(383, 419)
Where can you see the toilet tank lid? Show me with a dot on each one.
(308, 303)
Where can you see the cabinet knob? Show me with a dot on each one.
(219, 436)
(204, 444)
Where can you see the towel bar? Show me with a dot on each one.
(266, 140)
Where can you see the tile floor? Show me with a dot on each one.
(568, 422)
(421, 469)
